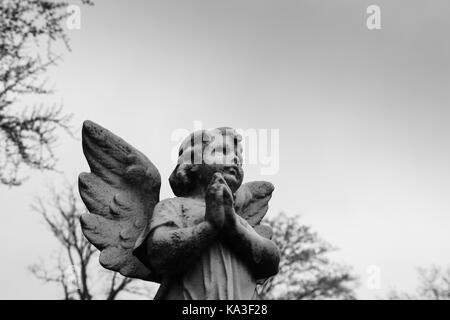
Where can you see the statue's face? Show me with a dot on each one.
(224, 155)
(218, 150)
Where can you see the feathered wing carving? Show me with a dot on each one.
(120, 193)
(252, 203)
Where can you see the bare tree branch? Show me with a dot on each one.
(28, 133)
(434, 284)
(305, 271)
(73, 270)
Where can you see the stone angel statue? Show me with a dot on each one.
(206, 243)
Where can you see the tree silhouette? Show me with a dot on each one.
(76, 270)
(305, 271)
(29, 29)
(434, 284)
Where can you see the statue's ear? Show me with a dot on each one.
(252, 201)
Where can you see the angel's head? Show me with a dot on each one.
(204, 153)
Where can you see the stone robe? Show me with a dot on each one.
(219, 274)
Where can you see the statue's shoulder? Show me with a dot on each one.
(178, 204)
(183, 211)
(180, 201)
(171, 204)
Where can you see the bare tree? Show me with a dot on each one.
(434, 284)
(28, 31)
(76, 269)
(306, 272)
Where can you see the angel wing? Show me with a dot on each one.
(252, 203)
(120, 192)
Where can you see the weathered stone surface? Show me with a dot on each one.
(206, 243)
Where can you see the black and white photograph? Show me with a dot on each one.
(253, 150)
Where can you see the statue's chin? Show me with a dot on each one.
(231, 173)
(232, 181)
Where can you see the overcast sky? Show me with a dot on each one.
(362, 117)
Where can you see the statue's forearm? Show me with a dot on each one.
(170, 251)
(260, 253)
